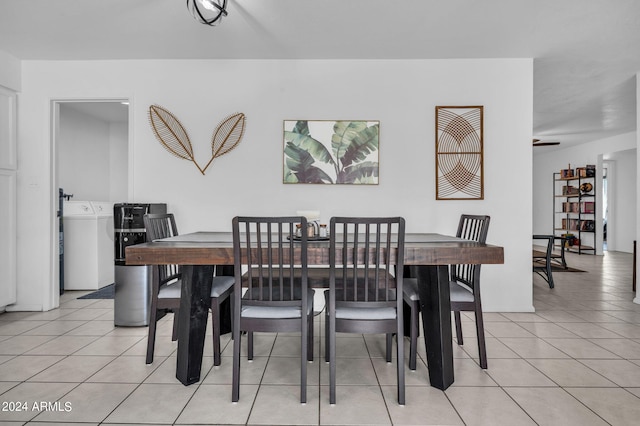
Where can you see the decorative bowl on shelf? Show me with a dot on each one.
(586, 187)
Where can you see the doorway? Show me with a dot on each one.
(91, 166)
(619, 201)
(605, 205)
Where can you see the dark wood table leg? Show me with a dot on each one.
(194, 311)
(435, 304)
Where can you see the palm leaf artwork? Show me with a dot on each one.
(171, 134)
(227, 136)
(174, 138)
(349, 155)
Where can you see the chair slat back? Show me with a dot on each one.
(160, 226)
(364, 253)
(270, 262)
(472, 228)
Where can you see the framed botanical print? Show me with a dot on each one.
(331, 152)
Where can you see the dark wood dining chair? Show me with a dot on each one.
(364, 296)
(167, 288)
(464, 287)
(271, 265)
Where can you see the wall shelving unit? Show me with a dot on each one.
(574, 208)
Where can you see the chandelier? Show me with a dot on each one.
(208, 12)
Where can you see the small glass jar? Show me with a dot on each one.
(323, 231)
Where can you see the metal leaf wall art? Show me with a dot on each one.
(459, 153)
(174, 137)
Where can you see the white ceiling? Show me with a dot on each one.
(586, 52)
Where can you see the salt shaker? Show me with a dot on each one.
(323, 231)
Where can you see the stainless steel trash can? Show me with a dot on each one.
(132, 298)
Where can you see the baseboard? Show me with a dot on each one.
(23, 308)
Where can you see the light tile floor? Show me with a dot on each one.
(575, 361)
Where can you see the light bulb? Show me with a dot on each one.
(207, 4)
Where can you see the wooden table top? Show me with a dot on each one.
(216, 248)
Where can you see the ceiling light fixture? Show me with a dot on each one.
(208, 12)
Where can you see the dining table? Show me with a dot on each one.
(427, 255)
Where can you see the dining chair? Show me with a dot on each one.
(166, 288)
(271, 265)
(464, 287)
(363, 295)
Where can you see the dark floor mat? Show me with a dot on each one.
(104, 293)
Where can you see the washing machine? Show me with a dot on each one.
(104, 219)
(88, 249)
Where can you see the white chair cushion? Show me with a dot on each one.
(410, 289)
(220, 285)
(271, 312)
(354, 313)
(174, 290)
(170, 291)
(460, 293)
(365, 313)
(277, 312)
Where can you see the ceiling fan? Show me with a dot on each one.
(538, 142)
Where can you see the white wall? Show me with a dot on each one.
(83, 155)
(118, 161)
(92, 156)
(10, 72)
(401, 94)
(546, 162)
